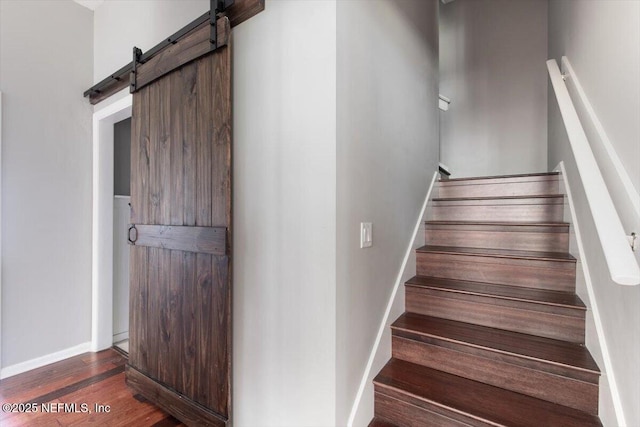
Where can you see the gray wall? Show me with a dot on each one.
(387, 152)
(46, 177)
(492, 67)
(284, 216)
(600, 39)
(122, 158)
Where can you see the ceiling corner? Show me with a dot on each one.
(90, 4)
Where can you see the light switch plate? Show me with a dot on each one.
(366, 235)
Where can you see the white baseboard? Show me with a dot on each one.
(604, 349)
(38, 362)
(384, 324)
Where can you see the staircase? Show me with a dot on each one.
(493, 333)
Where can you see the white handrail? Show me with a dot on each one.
(623, 267)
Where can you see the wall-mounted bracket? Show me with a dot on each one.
(216, 7)
(137, 55)
(236, 12)
(444, 170)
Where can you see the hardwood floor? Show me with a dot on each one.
(70, 392)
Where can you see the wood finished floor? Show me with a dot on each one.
(90, 378)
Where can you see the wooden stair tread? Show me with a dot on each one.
(381, 422)
(533, 196)
(495, 405)
(549, 350)
(498, 253)
(540, 296)
(521, 175)
(493, 333)
(500, 223)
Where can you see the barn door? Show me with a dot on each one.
(180, 324)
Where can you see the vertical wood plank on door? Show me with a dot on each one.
(161, 197)
(219, 349)
(138, 292)
(221, 132)
(160, 150)
(152, 324)
(221, 214)
(139, 299)
(204, 126)
(175, 320)
(190, 326)
(140, 158)
(177, 143)
(190, 144)
(175, 296)
(163, 176)
(204, 318)
(165, 322)
(190, 117)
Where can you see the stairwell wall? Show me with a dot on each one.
(284, 215)
(387, 152)
(600, 38)
(492, 67)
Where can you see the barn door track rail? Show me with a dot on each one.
(203, 35)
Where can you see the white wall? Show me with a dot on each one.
(387, 152)
(284, 215)
(46, 178)
(492, 67)
(600, 39)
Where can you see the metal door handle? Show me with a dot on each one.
(132, 240)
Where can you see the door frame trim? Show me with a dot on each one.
(104, 117)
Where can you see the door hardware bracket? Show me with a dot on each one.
(217, 7)
(137, 55)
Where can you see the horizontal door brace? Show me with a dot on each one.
(208, 240)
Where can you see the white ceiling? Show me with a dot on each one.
(90, 4)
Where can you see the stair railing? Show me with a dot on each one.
(618, 253)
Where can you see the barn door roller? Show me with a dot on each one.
(216, 7)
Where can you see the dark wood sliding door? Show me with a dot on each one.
(180, 333)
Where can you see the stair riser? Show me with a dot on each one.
(525, 318)
(493, 239)
(405, 414)
(489, 369)
(507, 187)
(464, 211)
(539, 274)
